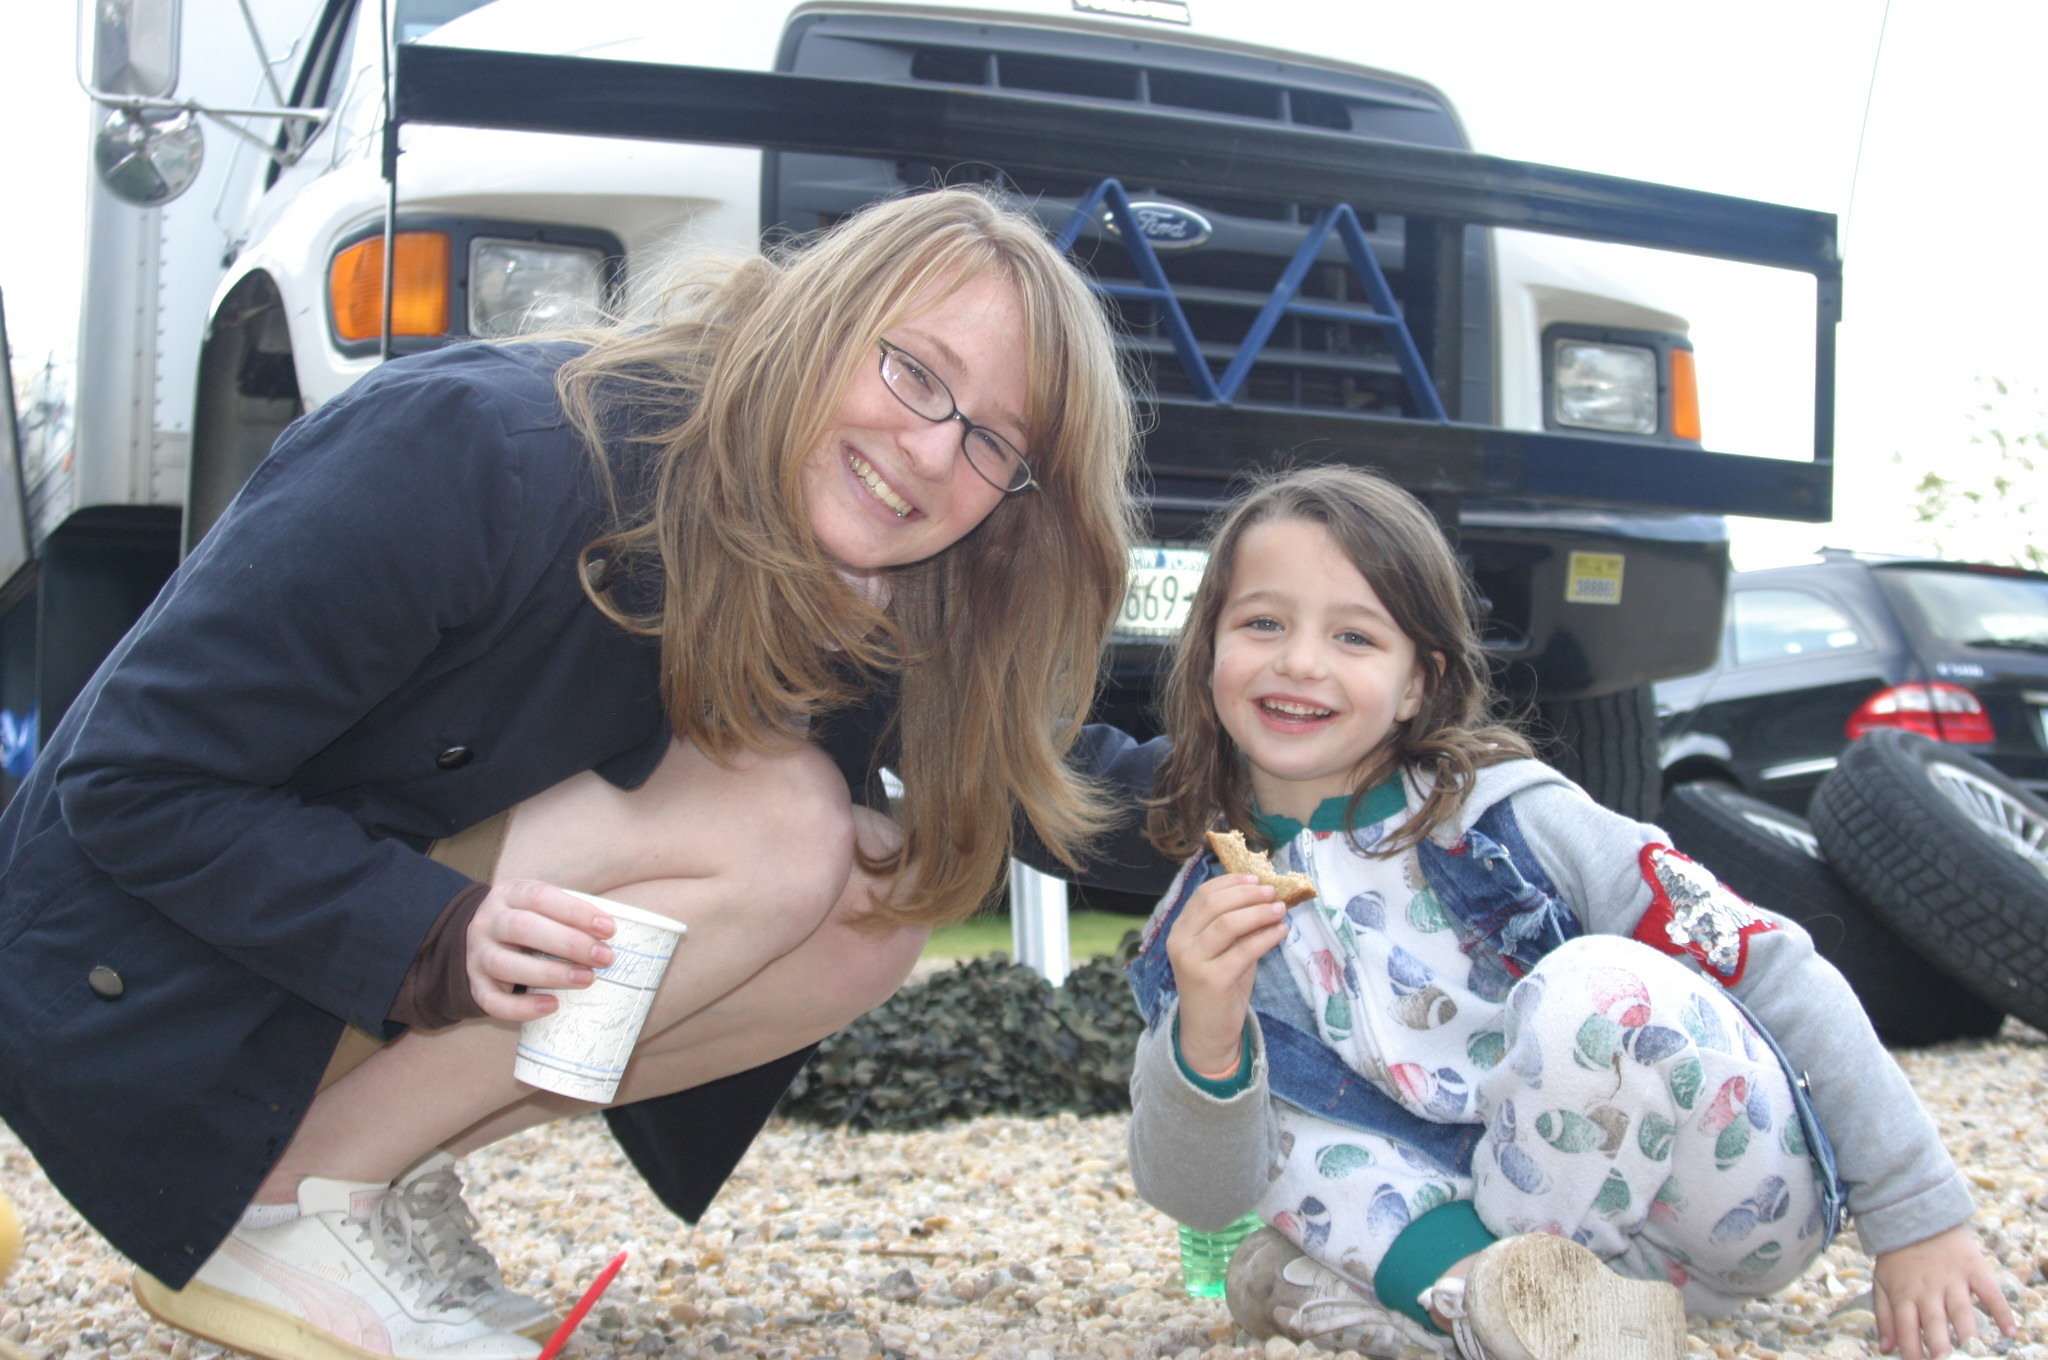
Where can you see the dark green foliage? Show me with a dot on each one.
(984, 1037)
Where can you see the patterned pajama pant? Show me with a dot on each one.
(1628, 1105)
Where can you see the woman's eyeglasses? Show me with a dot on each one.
(994, 458)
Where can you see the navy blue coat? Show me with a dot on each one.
(216, 862)
(381, 642)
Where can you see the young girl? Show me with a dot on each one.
(1515, 1035)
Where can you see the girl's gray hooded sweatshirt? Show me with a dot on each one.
(1202, 1161)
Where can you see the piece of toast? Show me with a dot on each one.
(1240, 858)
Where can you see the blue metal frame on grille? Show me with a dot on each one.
(1386, 313)
(1285, 298)
(1155, 289)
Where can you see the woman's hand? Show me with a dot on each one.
(519, 922)
(1922, 1293)
(1227, 925)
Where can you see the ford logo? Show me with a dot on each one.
(1166, 225)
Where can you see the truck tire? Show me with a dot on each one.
(1952, 854)
(1607, 746)
(1771, 857)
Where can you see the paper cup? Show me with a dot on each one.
(581, 1049)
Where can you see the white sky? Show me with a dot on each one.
(1946, 271)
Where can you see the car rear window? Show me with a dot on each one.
(1976, 609)
(1773, 624)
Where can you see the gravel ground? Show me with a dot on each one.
(1007, 1238)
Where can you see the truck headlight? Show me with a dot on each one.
(1609, 387)
(522, 286)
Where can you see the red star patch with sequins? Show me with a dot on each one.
(1694, 914)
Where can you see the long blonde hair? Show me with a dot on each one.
(996, 640)
(1396, 546)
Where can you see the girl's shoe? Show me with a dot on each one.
(1273, 1289)
(1542, 1297)
(431, 1194)
(342, 1281)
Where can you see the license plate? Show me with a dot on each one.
(1160, 590)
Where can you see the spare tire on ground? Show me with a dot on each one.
(1952, 854)
(1771, 857)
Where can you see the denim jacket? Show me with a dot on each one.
(1494, 886)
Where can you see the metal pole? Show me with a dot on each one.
(1038, 923)
(390, 183)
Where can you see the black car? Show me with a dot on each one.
(1814, 656)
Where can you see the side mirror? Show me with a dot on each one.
(135, 47)
(145, 156)
(148, 156)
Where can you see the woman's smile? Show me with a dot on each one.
(876, 484)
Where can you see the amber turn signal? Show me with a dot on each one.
(1685, 396)
(419, 305)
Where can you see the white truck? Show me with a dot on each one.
(1306, 255)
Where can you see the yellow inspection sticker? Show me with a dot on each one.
(1594, 578)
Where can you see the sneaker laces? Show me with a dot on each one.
(389, 1232)
(1333, 1302)
(1447, 1299)
(444, 1231)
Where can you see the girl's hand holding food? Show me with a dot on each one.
(1227, 926)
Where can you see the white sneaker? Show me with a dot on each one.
(1274, 1289)
(1543, 1297)
(342, 1281)
(446, 1232)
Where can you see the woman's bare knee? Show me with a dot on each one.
(875, 957)
(790, 858)
(834, 978)
(874, 974)
(770, 834)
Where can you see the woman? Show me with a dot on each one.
(632, 591)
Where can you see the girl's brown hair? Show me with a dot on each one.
(1398, 548)
(731, 380)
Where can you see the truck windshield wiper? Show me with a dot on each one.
(2010, 644)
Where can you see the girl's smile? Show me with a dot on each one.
(1311, 673)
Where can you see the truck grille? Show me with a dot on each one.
(1041, 73)
(1309, 363)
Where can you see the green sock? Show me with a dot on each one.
(1422, 1253)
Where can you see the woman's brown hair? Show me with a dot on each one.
(1398, 548)
(732, 379)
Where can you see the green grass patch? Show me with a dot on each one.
(1090, 934)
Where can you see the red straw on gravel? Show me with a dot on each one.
(583, 1305)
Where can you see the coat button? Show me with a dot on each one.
(105, 983)
(454, 758)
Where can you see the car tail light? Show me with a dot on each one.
(1940, 710)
